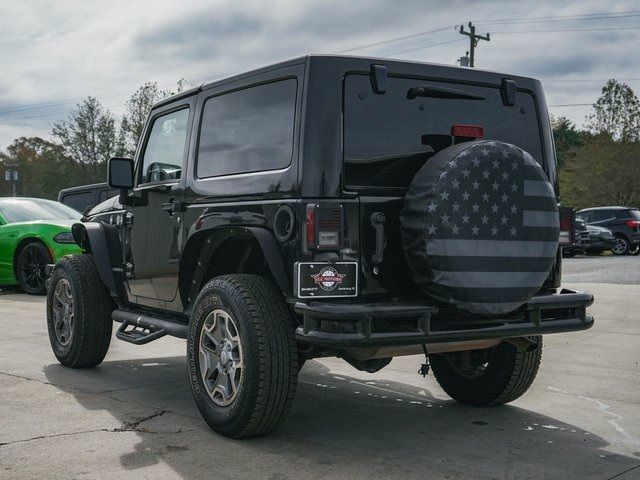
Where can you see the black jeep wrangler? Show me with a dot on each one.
(330, 206)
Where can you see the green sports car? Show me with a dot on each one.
(33, 233)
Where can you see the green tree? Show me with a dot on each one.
(567, 137)
(616, 113)
(44, 168)
(88, 136)
(602, 172)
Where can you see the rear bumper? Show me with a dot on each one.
(348, 325)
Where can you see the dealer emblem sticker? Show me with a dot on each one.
(323, 279)
(328, 278)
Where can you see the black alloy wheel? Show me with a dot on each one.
(30, 268)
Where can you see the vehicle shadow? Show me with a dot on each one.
(340, 427)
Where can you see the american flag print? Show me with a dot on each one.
(491, 227)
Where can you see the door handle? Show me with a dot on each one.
(172, 206)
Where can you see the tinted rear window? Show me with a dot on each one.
(633, 213)
(248, 130)
(385, 135)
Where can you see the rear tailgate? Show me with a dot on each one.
(387, 139)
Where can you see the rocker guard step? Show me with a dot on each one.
(347, 325)
(145, 328)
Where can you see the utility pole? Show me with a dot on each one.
(473, 40)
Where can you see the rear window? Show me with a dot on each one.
(387, 138)
(633, 213)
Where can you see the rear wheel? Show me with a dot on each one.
(30, 267)
(78, 313)
(242, 356)
(488, 377)
(622, 245)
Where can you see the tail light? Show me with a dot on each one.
(567, 225)
(633, 224)
(324, 227)
(467, 131)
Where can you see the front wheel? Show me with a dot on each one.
(242, 356)
(488, 377)
(78, 313)
(30, 268)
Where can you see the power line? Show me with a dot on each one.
(31, 106)
(585, 80)
(397, 39)
(563, 18)
(427, 46)
(569, 30)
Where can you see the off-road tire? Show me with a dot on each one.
(508, 375)
(31, 261)
(92, 307)
(269, 354)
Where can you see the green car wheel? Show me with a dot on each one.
(30, 268)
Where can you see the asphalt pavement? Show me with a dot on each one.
(602, 269)
(133, 416)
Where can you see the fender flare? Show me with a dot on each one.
(92, 238)
(266, 242)
(272, 255)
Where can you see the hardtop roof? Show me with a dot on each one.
(476, 74)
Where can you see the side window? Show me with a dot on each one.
(164, 153)
(80, 201)
(248, 130)
(105, 194)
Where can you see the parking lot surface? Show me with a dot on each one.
(133, 416)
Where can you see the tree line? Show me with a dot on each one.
(598, 164)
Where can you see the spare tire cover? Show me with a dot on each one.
(480, 227)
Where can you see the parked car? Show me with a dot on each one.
(600, 239)
(340, 206)
(624, 222)
(85, 197)
(581, 240)
(33, 233)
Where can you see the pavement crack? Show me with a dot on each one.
(617, 475)
(24, 378)
(42, 437)
(126, 427)
(135, 426)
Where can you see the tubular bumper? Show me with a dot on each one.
(348, 325)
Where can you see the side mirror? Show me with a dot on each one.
(120, 173)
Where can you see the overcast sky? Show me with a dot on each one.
(53, 54)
